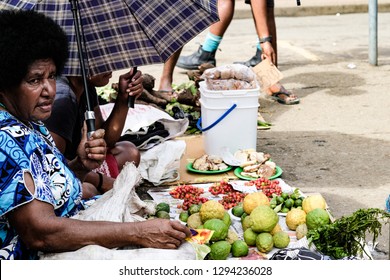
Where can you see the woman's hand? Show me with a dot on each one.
(92, 152)
(130, 84)
(162, 233)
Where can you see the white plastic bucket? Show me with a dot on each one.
(228, 119)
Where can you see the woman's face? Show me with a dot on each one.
(32, 100)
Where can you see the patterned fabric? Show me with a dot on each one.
(25, 150)
(298, 254)
(109, 167)
(120, 34)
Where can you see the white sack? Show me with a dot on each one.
(121, 204)
(161, 163)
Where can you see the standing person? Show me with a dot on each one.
(166, 78)
(67, 117)
(38, 191)
(206, 52)
(264, 18)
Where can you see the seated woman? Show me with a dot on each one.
(38, 189)
(65, 128)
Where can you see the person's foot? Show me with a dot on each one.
(165, 90)
(253, 61)
(193, 61)
(282, 95)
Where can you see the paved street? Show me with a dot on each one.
(337, 140)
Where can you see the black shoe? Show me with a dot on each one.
(193, 61)
(256, 59)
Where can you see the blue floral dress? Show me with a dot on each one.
(32, 150)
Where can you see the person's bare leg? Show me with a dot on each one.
(272, 30)
(166, 78)
(278, 87)
(225, 12)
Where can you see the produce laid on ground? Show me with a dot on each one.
(249, 164)
(209, 162)
(252, 225)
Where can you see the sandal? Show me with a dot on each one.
(285, 101)
(167, 95)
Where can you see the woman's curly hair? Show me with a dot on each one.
(27, 36)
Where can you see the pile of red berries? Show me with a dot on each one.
(232, 199)
(222, 187)
(190, 195)
(267, 186)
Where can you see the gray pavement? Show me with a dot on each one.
(337, 140)
(314, 7)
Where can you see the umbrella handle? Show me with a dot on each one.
(90, 120)
(131, 99)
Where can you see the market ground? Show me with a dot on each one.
(337, 140)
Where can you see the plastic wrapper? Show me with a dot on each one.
(230, 77)
(198, 239)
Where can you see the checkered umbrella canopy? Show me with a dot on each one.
(119, 34)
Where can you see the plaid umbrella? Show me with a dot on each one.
(109, 35)
(120, 34)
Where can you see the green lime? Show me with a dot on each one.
(289, 203)
(219, 227)
(285, 195)
(220, 250)
(317, 218)
(264, 242)
(281, 239)
(284, 210)
(246, 222)
(226, 219)
(298, 202)
(239, 248)
(279, 199)
(162, 206)
(183, 216)
(194, 208)
(163, 214)
(238, 210)
(294, 195)
(250, 237)
(243, 216)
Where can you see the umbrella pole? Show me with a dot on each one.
(89, 114)
(131, 99)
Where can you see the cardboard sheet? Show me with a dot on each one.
(195, 149)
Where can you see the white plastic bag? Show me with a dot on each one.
(161, 163)
(121, 204)
(143, 116)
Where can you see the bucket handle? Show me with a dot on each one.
(198, 123)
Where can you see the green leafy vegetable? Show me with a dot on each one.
(187, 85)
(346, 235)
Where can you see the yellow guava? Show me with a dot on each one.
(295, 217)
(252, 200)
(211, 209)
(312, 202)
